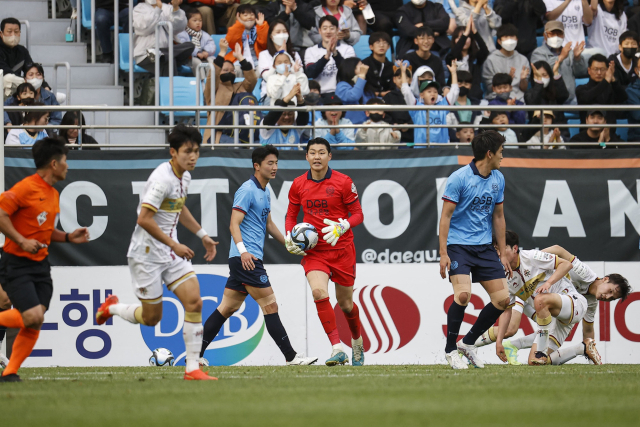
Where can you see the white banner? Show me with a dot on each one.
(402, 308)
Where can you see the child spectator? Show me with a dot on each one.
(422, 56)
(429, 96)
(470, 52)
(335, 118)
(204, 45)
(395, 97)
(29, 136)
(249, 32)
(377, 129)
(502, 90)
(277, 40)
(380, 75)
(420, 75)
(547, 88)
(34, 74)
(609, 20)
(24, 96)
(278, 135)
(501, 119)
(508, 61)
(351, 87)
(70, 136)
(465, 81)
(348, 29)
(322, 60)
(624, 60)
(465, 133)
(484, 18)
(551, 136)
(418, 14)
(283, 76)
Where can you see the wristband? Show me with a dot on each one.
(241, 248)
(66, 237)
(201, 233)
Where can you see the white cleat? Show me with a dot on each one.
(302, 360)
(455, 360)
(203, 362)
(3, 361)
(469, 351)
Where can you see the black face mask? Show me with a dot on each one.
(27, 101)
(227, 77)
(312, 98)
(630, 52)
(376, 117)
(464, 91)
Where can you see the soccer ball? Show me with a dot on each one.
(161, 357)
(305, 236)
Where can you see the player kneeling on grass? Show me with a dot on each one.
(327, 198)
(28, 215)
(155, 255)
(250, 221)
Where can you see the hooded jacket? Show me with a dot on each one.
(145, 18)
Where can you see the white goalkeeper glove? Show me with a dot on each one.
(292, 247)
(335, 230)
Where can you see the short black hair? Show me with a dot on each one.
(622, 283)
(314, 85)
(495, 114)
(6, 21)
(246, 8)
(423, 31)
(501, 79)
(47, 149)
(332, 20)
(465, 76)
(321, 141)
(22, 87)
(375, 101)
(598, 57)
(182, 134)
(261, 153)
(35, 65)
(628, 35)
(486, 141)
(379, 35)
(464, 125)
(507, 30)
(511, 239)
(192, 11)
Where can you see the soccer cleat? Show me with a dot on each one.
(591, 353)
(3, 361)
(455, 360)
(102, 315)
(469, 351)
(539, 358)
(11, 378)
(198, 375)
(512, 352)
(357, 354)
(203, 362)
(302, 360)
(338, 357)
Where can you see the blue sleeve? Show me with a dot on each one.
(453, 189)
(350, 94)
(242, 200)
(519, 117)
(501, 193)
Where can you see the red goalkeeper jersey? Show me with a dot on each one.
(333, 197)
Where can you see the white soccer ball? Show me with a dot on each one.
(305, 236)
(161, 357)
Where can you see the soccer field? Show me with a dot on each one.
(570, 395)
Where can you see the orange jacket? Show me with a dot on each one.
(234, 35)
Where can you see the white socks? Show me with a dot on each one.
(126, 311)
(563, 355)
(337, 347)
(523, 342)
(192, 334)
(488, 337)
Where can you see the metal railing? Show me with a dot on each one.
(68, 79)
(27, 38)
(201, 74)
(170, 60)
(131, 63)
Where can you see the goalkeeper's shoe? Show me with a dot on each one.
(203, 362)
(301, 359)
(102, 315)
(198, 375)
(338, 357)
(591, 352)
(512, 352)
(455, 360)
(540, 358)
(469, 351)
(357, 354)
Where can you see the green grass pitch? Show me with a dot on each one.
(409, 395)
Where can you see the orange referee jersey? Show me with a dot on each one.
(33, 206)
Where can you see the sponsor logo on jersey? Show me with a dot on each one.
(390, 319)
(237, 339)
(330, 191)
(454, 265)
(42, 218)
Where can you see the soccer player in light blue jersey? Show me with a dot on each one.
(250, 222)
(473, 207)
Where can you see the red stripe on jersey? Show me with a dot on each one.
(239, 210)
(450, 201)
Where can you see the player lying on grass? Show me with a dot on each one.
(250, 222)
(330, 203)
(155, 256)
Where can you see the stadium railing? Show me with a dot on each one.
(68, 79)
(27, 37)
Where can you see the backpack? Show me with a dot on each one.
(244, 118)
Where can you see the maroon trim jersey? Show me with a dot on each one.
(333, 197)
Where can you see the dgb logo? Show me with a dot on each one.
(237, 339)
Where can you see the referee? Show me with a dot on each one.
(28, 216)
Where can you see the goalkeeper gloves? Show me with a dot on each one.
(292, 247)
(335, 230)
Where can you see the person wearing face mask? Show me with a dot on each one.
(501, 84)
(572, 14)
(507, 60)
(569, 55)
(278, 40)
(283, 75)
(24, 96)
(377, 129)
(633, 98)
(70, 136)
(624, 61)
(226, 87)
(470, 52)
(278, 135)
(454, 118)
(250, 31)
(422, 13)
(524, 16)
(28, 137)
(13, 56)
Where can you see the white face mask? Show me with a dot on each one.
(555, 42)
(418, 2)
(36, 83)
(280, 39)
(152, 2)
(509, 45)
(11, 41)
(545, 81)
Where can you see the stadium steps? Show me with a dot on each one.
(45, 52)
(82, 75)
(24, 9)
(52, 30)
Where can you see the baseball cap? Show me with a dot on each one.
(553, 25)
(596, 111)
(428, 83)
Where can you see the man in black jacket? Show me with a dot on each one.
(602, 88)
(380, 74)
(422, 13)
(13, 57)
(525, 15)
(624, 61)
(596, 134)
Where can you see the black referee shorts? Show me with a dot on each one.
(27, 283)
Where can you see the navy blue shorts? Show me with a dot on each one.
(239, 277)
(482, 261)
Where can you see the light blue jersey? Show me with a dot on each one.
(436, 117)
(255, 202)
(475, 197)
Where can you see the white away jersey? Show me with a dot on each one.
(581, 280)
(164, 193)
(530, 274)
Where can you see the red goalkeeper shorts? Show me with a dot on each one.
(339, 264)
